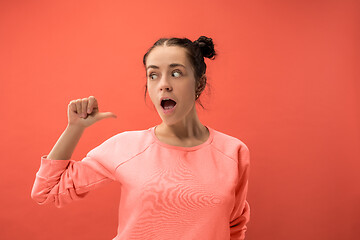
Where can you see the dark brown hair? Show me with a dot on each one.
(196, 51)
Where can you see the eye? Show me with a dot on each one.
(177, 73)
(151, 75)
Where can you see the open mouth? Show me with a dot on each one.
(168, 104)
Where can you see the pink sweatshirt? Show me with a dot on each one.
(167, 192)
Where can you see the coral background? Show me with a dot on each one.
(286, 82)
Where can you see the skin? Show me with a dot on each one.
(182, 127)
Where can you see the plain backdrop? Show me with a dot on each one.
(285, 82)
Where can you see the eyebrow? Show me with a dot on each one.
(171, 65)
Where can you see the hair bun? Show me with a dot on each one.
(206, 46)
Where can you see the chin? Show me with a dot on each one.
(168, 120)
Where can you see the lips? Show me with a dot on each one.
(162, 98)
(165, 98)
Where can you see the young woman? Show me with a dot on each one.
(180, 179)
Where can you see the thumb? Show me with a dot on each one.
(103, 115)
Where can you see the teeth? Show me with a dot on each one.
(162, 102)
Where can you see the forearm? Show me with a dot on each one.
(65, 146)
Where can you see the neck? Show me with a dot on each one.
(189, 127)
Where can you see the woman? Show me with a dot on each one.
(180, 179)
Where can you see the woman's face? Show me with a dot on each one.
(169, 74)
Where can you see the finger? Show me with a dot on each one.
(90, 104)
(84, 104)
(78, 106)
(106, 115)
(72, 106)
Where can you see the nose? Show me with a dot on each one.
(165, 84)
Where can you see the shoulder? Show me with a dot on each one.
(124, 145)
(231, 146)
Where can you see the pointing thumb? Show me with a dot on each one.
(107, 115)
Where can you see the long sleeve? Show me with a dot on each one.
(240, 215)
(63, 181)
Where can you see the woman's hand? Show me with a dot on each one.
(85, 112)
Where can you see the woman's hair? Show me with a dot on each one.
(196, 51)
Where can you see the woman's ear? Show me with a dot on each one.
(201, 84)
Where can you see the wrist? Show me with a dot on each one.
(75, 127)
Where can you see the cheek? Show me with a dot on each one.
(189, 92)
(151, 96)
(191, 89)
(150, 91)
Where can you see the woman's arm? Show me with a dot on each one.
(65, 146)
(241, 212)
(61, 179)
